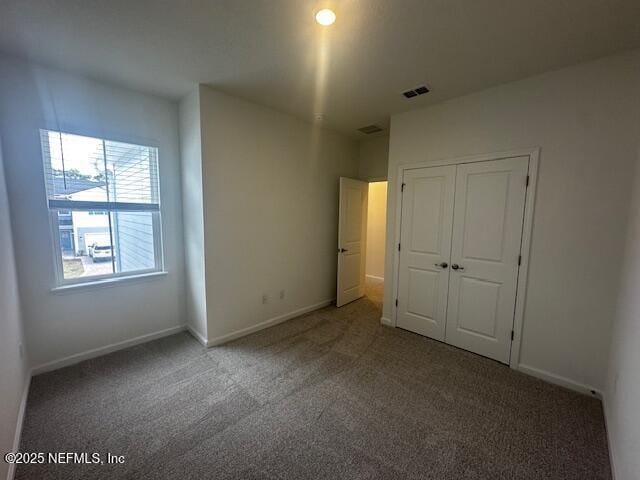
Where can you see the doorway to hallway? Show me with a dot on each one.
(376, 233)
(361, 240)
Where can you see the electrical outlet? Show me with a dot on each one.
(282, 294)
(265, 298)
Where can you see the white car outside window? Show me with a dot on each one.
(100, 252)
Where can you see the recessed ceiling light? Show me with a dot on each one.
(325, 17)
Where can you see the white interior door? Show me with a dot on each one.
(352, 229)
(485, 248)
(427, 215)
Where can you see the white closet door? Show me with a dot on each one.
(487, 230)
(352, 231)
(427, 213)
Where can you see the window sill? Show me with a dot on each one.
(106, 283)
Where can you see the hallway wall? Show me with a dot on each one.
(376, 227)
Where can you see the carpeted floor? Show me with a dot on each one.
(329, 395)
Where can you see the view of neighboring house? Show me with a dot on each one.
(129, 233)
(89, 226)
(75, 225)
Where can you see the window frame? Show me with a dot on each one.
(54, 226)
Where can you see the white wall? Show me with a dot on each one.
(585, 119)
(57, 326)
(373, 158)
(14, 368)
(376, 229)
(193, 214)
(270, 211)
(622, 396)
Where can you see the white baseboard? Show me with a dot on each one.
(267, 323)
(387, 321)
(375, 277)
(19, 422)
(560, 380)
(197, 335)
(97, 352)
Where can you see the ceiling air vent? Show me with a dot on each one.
(421, 90)
(369, 129)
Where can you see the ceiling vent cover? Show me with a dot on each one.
(421, 90)
(369, 129)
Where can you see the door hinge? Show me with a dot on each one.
(402, 187)
(519, 260)
(398, 247)
(527, 183)
(512, 334)
(396, 302)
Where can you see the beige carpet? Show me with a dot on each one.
(329, 395)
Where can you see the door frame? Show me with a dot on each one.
(525, 244)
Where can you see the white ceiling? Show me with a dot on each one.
(272, 52)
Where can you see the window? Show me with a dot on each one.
(104, 203)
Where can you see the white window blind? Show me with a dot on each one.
(124, 176)
(105, 203)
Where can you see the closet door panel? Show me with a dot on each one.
(485, 247)
(427, 215)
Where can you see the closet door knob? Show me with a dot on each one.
(442, 265)
(455, 266)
